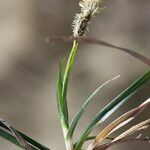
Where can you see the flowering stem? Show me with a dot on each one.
(66, 79)
(64, 109)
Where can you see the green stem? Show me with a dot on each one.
(68, 141)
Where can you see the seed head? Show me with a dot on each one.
(89, 8)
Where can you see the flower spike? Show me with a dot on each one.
(89, 8)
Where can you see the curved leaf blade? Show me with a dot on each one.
(34, 144)
(141, 126)
(113, 106)
(92, 40)
(19, 138)
(66, 79)
(9, 137)
(84, 107)
(119, 122)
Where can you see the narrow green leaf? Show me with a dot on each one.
(9, 137)
(113, 106)
(23, 143)
(66, 79)
(59, 92)
(32, 142)
(13, 139)
(90, 138)
(84, 107)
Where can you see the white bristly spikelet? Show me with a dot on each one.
(89, 8)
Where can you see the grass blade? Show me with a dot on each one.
(12, 139)
(119, 122)
(113, 106)
(108, 145)
(19, 138)
(59, 93)
(92, 40)
(84, 107)
(9, 137)
(32, 142)
(66, 79)
(141, 126)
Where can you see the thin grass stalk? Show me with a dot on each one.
(62, 88)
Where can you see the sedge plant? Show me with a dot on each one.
(89, 9)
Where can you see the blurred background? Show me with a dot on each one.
(28, 65)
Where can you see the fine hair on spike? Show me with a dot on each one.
(89, 8)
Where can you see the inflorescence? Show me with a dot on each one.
(89, 8)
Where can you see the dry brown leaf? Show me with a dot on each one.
(119, 122)
(141, 126)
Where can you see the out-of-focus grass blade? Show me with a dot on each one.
(66, 79)
(84, 107)
(96, 41)
(34, 144)
(119, 122)
(141, 126)
(19, 138)
(9, 137)
(12, 139)
(113, 106)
